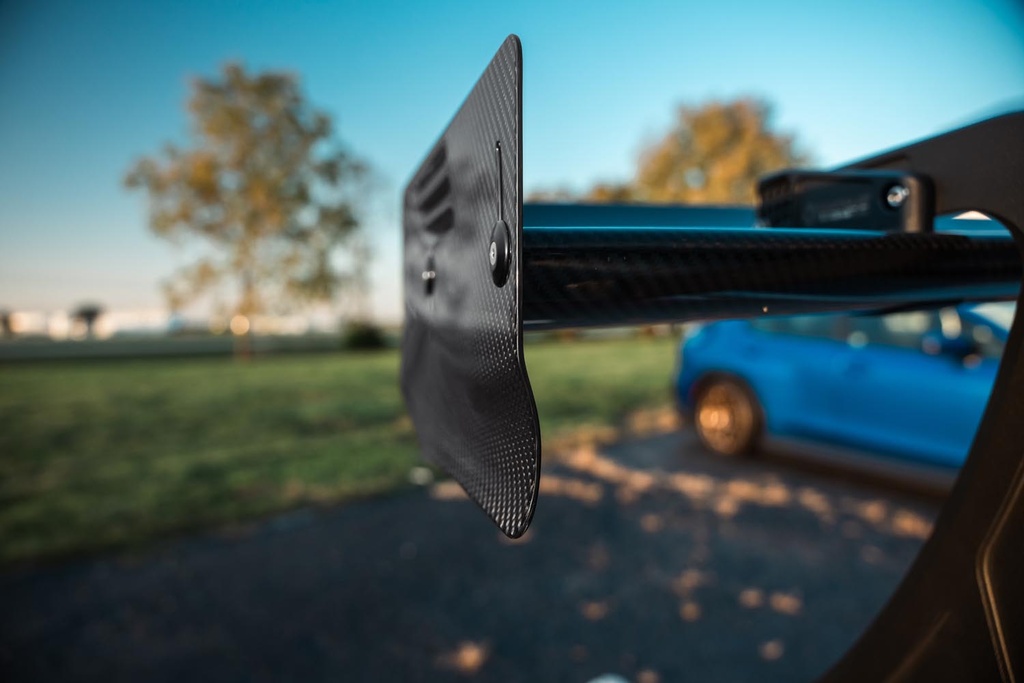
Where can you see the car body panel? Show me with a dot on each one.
(822, 378)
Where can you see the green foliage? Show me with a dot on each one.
(104, 454)
(363, 336)
(264, 186)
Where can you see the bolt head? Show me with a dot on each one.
(897, 196)
(498, 254)
(429, 274)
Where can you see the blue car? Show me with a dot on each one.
(912, 385)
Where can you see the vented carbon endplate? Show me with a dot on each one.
(463, 372)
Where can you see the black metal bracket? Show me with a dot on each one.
(958, 614)
(852, 199)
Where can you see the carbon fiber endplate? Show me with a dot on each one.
(463, 372)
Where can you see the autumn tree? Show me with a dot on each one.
(266, 188)
(712, 154)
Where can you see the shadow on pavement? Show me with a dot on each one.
(648, 559)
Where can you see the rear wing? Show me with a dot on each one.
(480, 267)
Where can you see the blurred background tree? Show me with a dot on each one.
(267, 187)
(714, 153)
(6, 324)
(87, 314)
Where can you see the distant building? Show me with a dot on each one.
(62, 326)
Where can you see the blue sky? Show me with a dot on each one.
(85, 87)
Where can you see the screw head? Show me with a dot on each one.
(896, 196)
(429, 274)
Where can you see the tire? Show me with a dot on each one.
(727, 416)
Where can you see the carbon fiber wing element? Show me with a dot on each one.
(463, 373)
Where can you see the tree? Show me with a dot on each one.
(88, 313)
(713, 154)
(266, 187)
(612, 193)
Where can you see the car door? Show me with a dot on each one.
(793, 357)
(898, 399)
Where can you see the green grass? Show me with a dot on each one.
(102, 454)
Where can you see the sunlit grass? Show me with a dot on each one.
(104, 454)
(599, 383)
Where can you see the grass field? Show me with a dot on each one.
(109, 453)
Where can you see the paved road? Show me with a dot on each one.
(650, 560)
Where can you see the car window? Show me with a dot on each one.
(1000, 313)
(989, 345)
(901, 330)
(818, 326)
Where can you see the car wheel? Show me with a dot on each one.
(727, 417)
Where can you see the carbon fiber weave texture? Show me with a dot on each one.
(463, 374)
(622, 276)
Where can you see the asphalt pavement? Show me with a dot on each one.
(649, 560)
